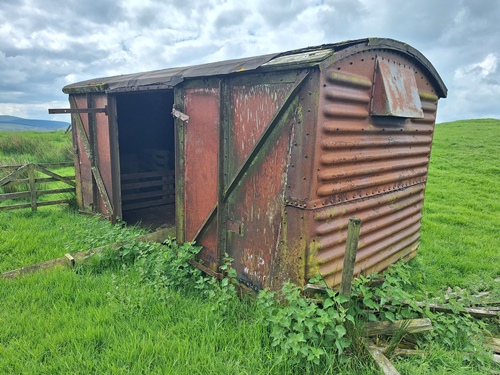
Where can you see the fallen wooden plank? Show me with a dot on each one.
(314, 288)
(71, 260)
(496, 358)
(408, 352)
(388, 328)
(50, 264)
(400, 351)
(478, 312)
(493, 344)
(381, 360)
(158, 236)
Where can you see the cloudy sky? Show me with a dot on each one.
(46, 44)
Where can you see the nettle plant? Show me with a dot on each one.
(304, 329)
(390, 301)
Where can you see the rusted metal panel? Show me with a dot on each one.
(367, 166)
(262, 122)
(252, 107)
(103, 150)
(115, 157)
(92, 144)
(395, 91)
(360, 155)
(391, 224)
(257, 204)
(300, 173)
(201, 146)
(83, 161)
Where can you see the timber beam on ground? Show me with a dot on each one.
(72, 259)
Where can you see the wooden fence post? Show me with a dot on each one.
(350, 255)
(31, 178)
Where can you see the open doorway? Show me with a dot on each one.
(147, 151)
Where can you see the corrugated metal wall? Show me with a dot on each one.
(371, 167)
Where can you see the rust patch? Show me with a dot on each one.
(395, 91)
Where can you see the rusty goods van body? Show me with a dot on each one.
(266, 158)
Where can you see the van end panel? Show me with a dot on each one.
(362, 157)
(390, 230)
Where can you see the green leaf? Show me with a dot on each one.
(368, 302)
(340, 329)
(390, 316)
(342, 299)
(309, 323)
(328, 303)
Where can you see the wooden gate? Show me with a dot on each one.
(31, 175)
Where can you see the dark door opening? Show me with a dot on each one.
(147, 165)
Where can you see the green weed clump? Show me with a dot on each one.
(398, 299)
(305, 332)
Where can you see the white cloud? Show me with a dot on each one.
(46, 44)
(476, 87)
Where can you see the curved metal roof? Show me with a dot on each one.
(310, 56)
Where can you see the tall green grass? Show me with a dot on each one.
(35, 147)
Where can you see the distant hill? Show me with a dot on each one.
(13, 124)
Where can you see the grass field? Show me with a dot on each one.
(460, 236)
(106, 319)
(31, 147)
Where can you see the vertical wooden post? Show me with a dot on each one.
(224, 116)
(350, 255)
(31, 178)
